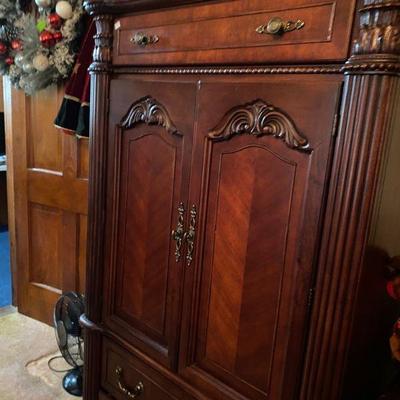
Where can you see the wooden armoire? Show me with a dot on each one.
(244, 198)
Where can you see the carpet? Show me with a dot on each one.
(25, 347)
(5, 273)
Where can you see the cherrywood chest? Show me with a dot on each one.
(242, 198)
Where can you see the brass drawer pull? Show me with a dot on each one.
(190, 236)
(178, 234)
(277, 26)
(135, 393)
(142, 39)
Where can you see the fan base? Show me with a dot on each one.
(72, 382)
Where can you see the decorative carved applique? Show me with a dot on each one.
(259, 118)
(149, 111)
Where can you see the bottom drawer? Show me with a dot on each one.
(122, 379)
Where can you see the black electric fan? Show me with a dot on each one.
(69, 308)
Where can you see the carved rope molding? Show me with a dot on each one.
(259, 118)
(149, 111)
(232, 70)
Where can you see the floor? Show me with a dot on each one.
(5, 274)
(26, 346)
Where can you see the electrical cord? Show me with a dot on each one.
(54, 369)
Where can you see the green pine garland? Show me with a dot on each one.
(31, 62)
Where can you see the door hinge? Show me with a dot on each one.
(338, 115)
(310, 300)
(335, 125)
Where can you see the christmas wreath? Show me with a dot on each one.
(38, 45)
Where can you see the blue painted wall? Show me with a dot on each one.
(5, 273)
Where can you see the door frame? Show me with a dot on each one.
(14, 104)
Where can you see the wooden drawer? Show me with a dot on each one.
(133, 372)
(115, 359)
(226, 32)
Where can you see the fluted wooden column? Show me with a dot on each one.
(371, 91)
(100, 82)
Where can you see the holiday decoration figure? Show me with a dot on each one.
(73, 115)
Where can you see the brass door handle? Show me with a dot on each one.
(143, 39)
(191, 235)
(178, 234)
(277, 26)
(131, 394)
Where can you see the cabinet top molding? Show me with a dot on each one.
(94, 7)
(379, 20)
(376, 48)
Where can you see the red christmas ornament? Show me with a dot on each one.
(3, 48)
(57, 36)
(10, 60)
(16, 44)
(47, 39)
(55, 20)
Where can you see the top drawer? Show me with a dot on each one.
(237, 32)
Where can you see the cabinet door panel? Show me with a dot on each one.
(259, 169)
(150, 146)
(145, 220)
(246, 260)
